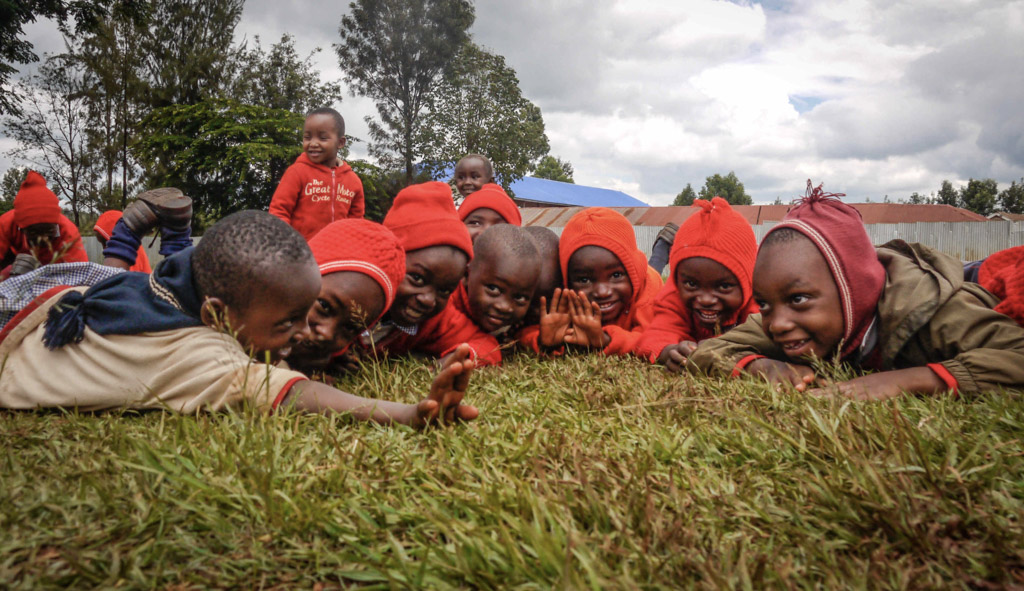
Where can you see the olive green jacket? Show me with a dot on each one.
(927, 314)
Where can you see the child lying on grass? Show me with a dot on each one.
(185, 338)
(902, 309)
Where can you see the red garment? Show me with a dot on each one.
(310, 195)
(105, 227)
(13, 242)
(492, 196)
(361, 246)
(35, 202)
(440, 335)
(1002, 273)
(628, 328)
(673, 323)
(424, 215)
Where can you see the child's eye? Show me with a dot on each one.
(618, 275)
(690, 284)
(324, 306)
(521, 300)
(414, 278)
(725, 286)
(799, 298)
(492, 289)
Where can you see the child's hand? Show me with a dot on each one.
(447, 391)
(782, 373)
(348, 362)
(885, 385)
(673, 357)
(554, 319)
(586, 328)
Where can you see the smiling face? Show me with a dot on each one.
(321, 141)
(709, 290)
(471, 174)
(481, 219)
(500, 289)
(348, 304)
(42, 235)
(431, 275)
(800, 307)
(599, 274)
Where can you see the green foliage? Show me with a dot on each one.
(918, 199)
(226, 155)
(380, 186)
(278, 78)
(477, 108)
(554, 169)
(394, 51)
(686, 196)
(582, 472)
(9, 185)
(1011, 200)
(979, 195)
(947, 195)
(727, 187)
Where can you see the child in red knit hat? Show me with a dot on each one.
(1002, 273)
(104, 228)
(610, 289)
(36, 226)
(486, 207)
(437, 251)
(711, 267)
(319, 187)
(903, 309)
(472, 172)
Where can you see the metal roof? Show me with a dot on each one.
(567, 194)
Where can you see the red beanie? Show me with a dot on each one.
(492, 196)
(718, 233)
(1002, 273)
(361, 246)
(34, 203)
(837, 229)
(106, 222)
(600, 226)
(424, 215)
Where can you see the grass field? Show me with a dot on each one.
(581, 472)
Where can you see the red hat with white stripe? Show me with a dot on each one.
(361, 246)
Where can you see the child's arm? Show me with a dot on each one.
(887, 384)
(736, 352)
(357, 209)
(444, 400)
(282, 203)
(673, 357)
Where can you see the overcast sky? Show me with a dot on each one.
(869, 97)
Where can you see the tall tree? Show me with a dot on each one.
(947, 195)
(9, 185)
(280, 79)
(555, 169)
(477, 108)
(686, 196)
(51, 131)
(1011, 200)
(727, 187)
(918, 199)
(394, 51)
(980, 195)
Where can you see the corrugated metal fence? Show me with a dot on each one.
(967, 241)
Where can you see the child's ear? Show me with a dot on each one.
(211, 313)
(342, 141)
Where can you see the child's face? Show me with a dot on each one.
(275, 319)
(500, 289)
(550, 278)
(431, 275)
(42, 235)
(320, 140)
(709, 290)
(470, 175)
(599, 274)
(348, 303)
(800, 307)
(481, 219)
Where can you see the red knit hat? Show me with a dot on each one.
(1002, 273)
(600, 226)
(424, 215)
(106, 222)
(718, 233)
(35, 203)
(361, 246)
(492, 196)
(837, 230)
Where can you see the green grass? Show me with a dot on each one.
(581, 472)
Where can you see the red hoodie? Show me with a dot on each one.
(310, 196)
(13, 242)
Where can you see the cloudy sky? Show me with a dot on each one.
(872, 98)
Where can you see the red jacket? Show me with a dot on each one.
(310, 196)
(439, 335)
(673, 323)
(13, 242)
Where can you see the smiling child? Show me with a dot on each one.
(472, 172)
(709, 291)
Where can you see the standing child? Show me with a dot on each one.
(472, 172)
(37, 228)
(319, 188)
(610, 289)
(486, 207)
(905, 312)
(709, 291)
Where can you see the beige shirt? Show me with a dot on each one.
(183, 370)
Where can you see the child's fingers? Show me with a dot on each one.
(461, 381)
(427, 411)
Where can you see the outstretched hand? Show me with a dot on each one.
(447, 391)
(674, 357)
(780, 373)
(554, 319)
(585, 316)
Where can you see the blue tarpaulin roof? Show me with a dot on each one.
(559, 193)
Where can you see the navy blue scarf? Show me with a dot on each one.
(129, 303)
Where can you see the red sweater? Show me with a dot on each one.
(310, 196)
(439, 335)
(673, 323)
(69, 248)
